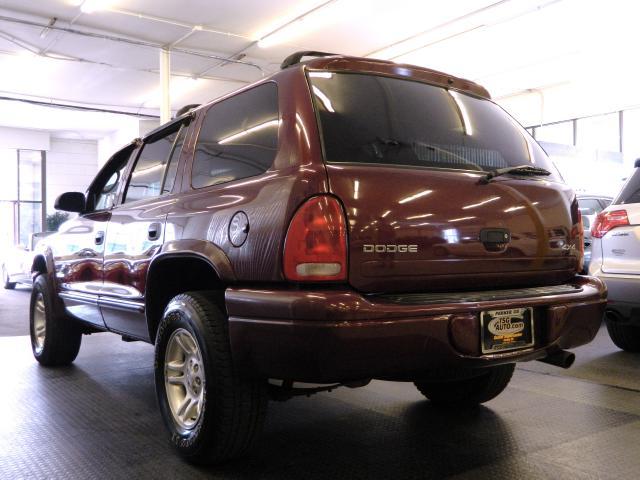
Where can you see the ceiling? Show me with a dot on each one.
(105, 54)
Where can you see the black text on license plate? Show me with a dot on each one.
(506, 329)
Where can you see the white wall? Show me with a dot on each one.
(71, 166)
(129, 129)
(19, 138)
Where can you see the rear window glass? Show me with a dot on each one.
(630, 192)
(589, 206)
(374, 119)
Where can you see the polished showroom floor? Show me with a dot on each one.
(98, 419)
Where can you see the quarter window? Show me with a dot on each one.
(238, 138)
(172, 168)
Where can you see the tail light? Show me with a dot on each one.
(316, 245)
(606, 221)
(580, 237)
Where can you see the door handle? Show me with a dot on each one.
(154, 231)
(99, 238)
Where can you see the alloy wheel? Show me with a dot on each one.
(184, 379)
(39, 323)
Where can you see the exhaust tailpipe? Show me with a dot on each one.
(563, 359)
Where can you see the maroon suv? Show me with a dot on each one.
(343, 220)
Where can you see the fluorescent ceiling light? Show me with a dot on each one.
(295, 26)
(486, 16)
(90, 6)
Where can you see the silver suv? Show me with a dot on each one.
(590, 206)
(615, 258)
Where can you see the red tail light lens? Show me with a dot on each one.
(316, 244)
(606, 221)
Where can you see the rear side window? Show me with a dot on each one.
(148, 174)
(238, 138)
(589, 206)
(630, 192)
(374, 119)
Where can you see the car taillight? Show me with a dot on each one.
(316, 245)
(580, 237)
(606, 221)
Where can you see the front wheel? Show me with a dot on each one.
(55, 339)
(468, 391)
(212, 414)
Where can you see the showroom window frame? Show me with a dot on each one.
(18, 200)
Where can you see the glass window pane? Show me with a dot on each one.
(589, 206)
(599, 133)
(630, 137)
(30, 220)
(239, 137)
(374, 119)
(146, 178)
(557, 133)
(172, 169)
(9, 177)
(30, 173)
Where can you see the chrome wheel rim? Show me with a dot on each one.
(184, 379)
(39, 323)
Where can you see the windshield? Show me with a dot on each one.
(373, 119)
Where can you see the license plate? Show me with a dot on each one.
(506, 329)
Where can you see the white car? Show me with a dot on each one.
(615, 258)
(17, 262)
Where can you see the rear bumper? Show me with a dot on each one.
(328, 335)
(623, 297)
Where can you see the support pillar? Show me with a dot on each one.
(165, 83)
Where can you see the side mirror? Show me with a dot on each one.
(637, 163)
(71, 202)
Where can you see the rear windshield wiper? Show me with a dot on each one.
(526, 170)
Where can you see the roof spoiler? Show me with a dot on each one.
(296, 57)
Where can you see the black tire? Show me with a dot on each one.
(62, 336)
(626, 337)
(5, 279)
(469, 391)
(233, 409)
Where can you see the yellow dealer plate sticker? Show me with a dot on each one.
(507, 329)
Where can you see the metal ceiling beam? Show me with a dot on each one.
(127, 40)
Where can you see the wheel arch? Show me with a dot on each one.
(43, 264)
(180, 267)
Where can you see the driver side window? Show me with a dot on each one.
(104, 191)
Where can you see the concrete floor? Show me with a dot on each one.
(98, 419)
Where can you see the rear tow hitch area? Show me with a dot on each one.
(281, 390)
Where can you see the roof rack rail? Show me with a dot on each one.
(296, 57)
